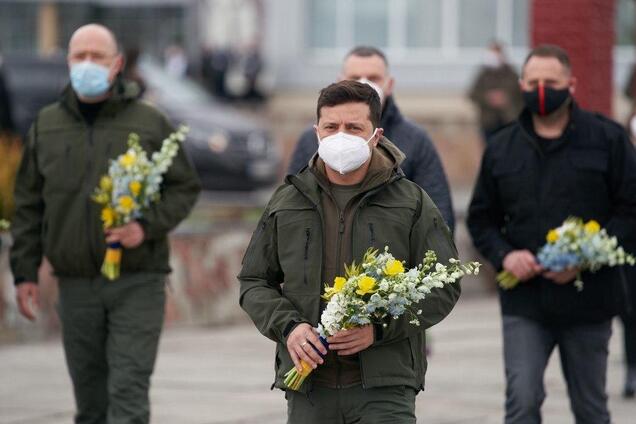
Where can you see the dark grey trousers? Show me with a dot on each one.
(111, 334)
(583, 350)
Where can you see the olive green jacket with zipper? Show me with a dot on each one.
(282, 276)
(63, 160)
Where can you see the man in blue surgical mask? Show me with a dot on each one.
(110, 328)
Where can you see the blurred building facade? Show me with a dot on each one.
(431, 44)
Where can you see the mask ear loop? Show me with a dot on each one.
(372, 135)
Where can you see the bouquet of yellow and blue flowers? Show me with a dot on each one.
(130, 187)
(576, 244)
(376, 289)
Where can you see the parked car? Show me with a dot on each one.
(32, 82)
(230, 149)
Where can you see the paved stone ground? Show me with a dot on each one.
(222, 376)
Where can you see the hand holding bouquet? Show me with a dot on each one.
(575, 245)
(377, 289)
(130, 187)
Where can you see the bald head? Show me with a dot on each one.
(94, 35)
(97, 44)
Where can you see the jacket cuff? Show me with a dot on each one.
(378, 332)
(291, 325)
(145, 225)
(500, 254)
(20, 280)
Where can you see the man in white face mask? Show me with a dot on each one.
(422, 164)
(351, 196)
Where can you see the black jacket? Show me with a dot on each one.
(524, 189)
(422, 164)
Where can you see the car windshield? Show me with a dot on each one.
(172, 89)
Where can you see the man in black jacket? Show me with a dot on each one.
(422, 164)
(555, 161)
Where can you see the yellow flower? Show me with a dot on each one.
(135, 188)
(128, 159)
(108, 217)
(553, 236)
(592, 227)
(106, 183)
(393, 267)
(126, 203)
(366, 285)
(338, 285)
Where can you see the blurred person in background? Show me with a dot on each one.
(496, 92)
(215, 63)
(110, 329)
(422, 164)
(131, 69)
(175, 61)
(324, 218)
(629, 317)
(557, 160)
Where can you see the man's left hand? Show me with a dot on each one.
(562, 277)
(129, 235)
(353, 340)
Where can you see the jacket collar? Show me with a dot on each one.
(384, 168)
(527, 126)
(391, 115)
(122, 93)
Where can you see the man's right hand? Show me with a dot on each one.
(28, 295)
(522, 264)
(299, 346)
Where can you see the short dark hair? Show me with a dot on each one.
(351, 92)
(367, 51)
(550, 50)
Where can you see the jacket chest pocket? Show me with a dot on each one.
(300, 250)
(384, 225)
(513, 183)
(62, 164)
(586, 176)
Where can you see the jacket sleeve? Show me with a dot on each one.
(485, 217)
(305, 149)
(429, 174)
(428, 233)
(622, 182)
(26, 226)
(179, 192)
(260, 284)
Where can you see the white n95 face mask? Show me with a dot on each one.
(376, 87)
(344, 152)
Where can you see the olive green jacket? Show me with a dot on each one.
(63, 160)
(282, 276)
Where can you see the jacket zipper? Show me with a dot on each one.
(341, 228)
(361, 204)
(371, 235)
(89, 165)
(306, 257)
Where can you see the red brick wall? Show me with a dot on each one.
(585, 29)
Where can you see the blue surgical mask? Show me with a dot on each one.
(89, 79)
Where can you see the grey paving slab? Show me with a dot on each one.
(222, 376)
